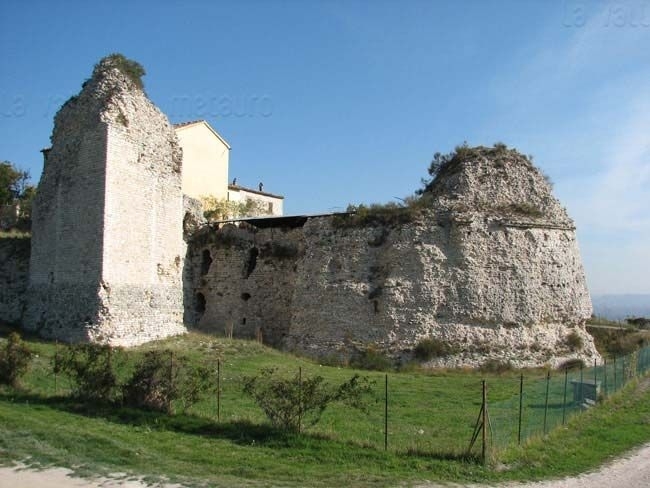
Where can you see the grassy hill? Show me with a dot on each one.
(431, 420)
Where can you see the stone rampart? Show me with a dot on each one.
(490, 278)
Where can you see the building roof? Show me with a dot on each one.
(257, 192)
(183, 125)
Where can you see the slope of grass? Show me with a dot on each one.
(431, 419)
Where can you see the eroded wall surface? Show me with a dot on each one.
(491, 276)
(107, 250)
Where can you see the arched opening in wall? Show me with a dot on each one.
(206, 261)
(200, 304)
(251, 262)
(245, 296)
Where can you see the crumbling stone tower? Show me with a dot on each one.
(107, 249)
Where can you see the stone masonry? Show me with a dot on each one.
(490, 267)
(485, 262)
(107, 249)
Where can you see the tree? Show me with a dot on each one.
(13, 183)
(15, 190)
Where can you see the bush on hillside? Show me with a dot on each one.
(90, 367)
(372, 359)
(160, 380)
(290, 402)
(15, 358)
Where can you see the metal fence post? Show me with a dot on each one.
(171, 378)
(548, 380)
(56, 367)
(299, 399)
(566, 380)
(614, 373)
(485, 423)
(521, 406)
(386, 415)
(218, 390)
(605, 377)
(581, 381)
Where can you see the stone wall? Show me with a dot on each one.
(14, 277)
(107, 249)
(492, 279)
(244, 281)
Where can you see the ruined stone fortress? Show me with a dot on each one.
(488, 266)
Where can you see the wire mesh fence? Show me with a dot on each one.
(540, 403)
(433, 414)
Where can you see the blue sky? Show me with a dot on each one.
(337, 102)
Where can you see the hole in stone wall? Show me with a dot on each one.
(243, 321)
(251, 262)
(375, 292)
(245, 296)
(200, 303)
(206, 261)
(375, 304)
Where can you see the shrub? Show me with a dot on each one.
(215, 209)
(133, 70)
(575, 363)
(372, 359)
(159, 379)
(15, 358)
(640, 322)
(90, 367)
(431, 348)
(288, 402)
(574, 341)
(443, 165)
(388, 214)
(496, 366)
(617, 342)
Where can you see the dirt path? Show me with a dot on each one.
(633, 470)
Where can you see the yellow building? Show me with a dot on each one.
(205, 171)
(205, 160)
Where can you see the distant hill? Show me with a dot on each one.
(619, 307)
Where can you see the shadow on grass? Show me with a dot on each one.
(241, 432)
(238, 432)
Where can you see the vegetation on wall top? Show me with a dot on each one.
(446, 164)
(441, 166)
(133, 70)
(216, 209)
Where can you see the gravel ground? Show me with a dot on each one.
(633, 470)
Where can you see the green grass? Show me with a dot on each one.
(431, 420)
